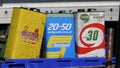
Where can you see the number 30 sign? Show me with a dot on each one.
(92, 35)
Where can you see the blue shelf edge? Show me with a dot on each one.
(54, 63)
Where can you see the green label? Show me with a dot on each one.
(92, 35)
(85, 18)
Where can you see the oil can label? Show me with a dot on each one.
(90, 34)
(59, 36)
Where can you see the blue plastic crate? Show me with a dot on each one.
(43, 63)
(29, 63)
(64, 62)
(53, 63)
(1, 62)
(88, 61)
(37, 63)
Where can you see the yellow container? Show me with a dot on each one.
(25, 34)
